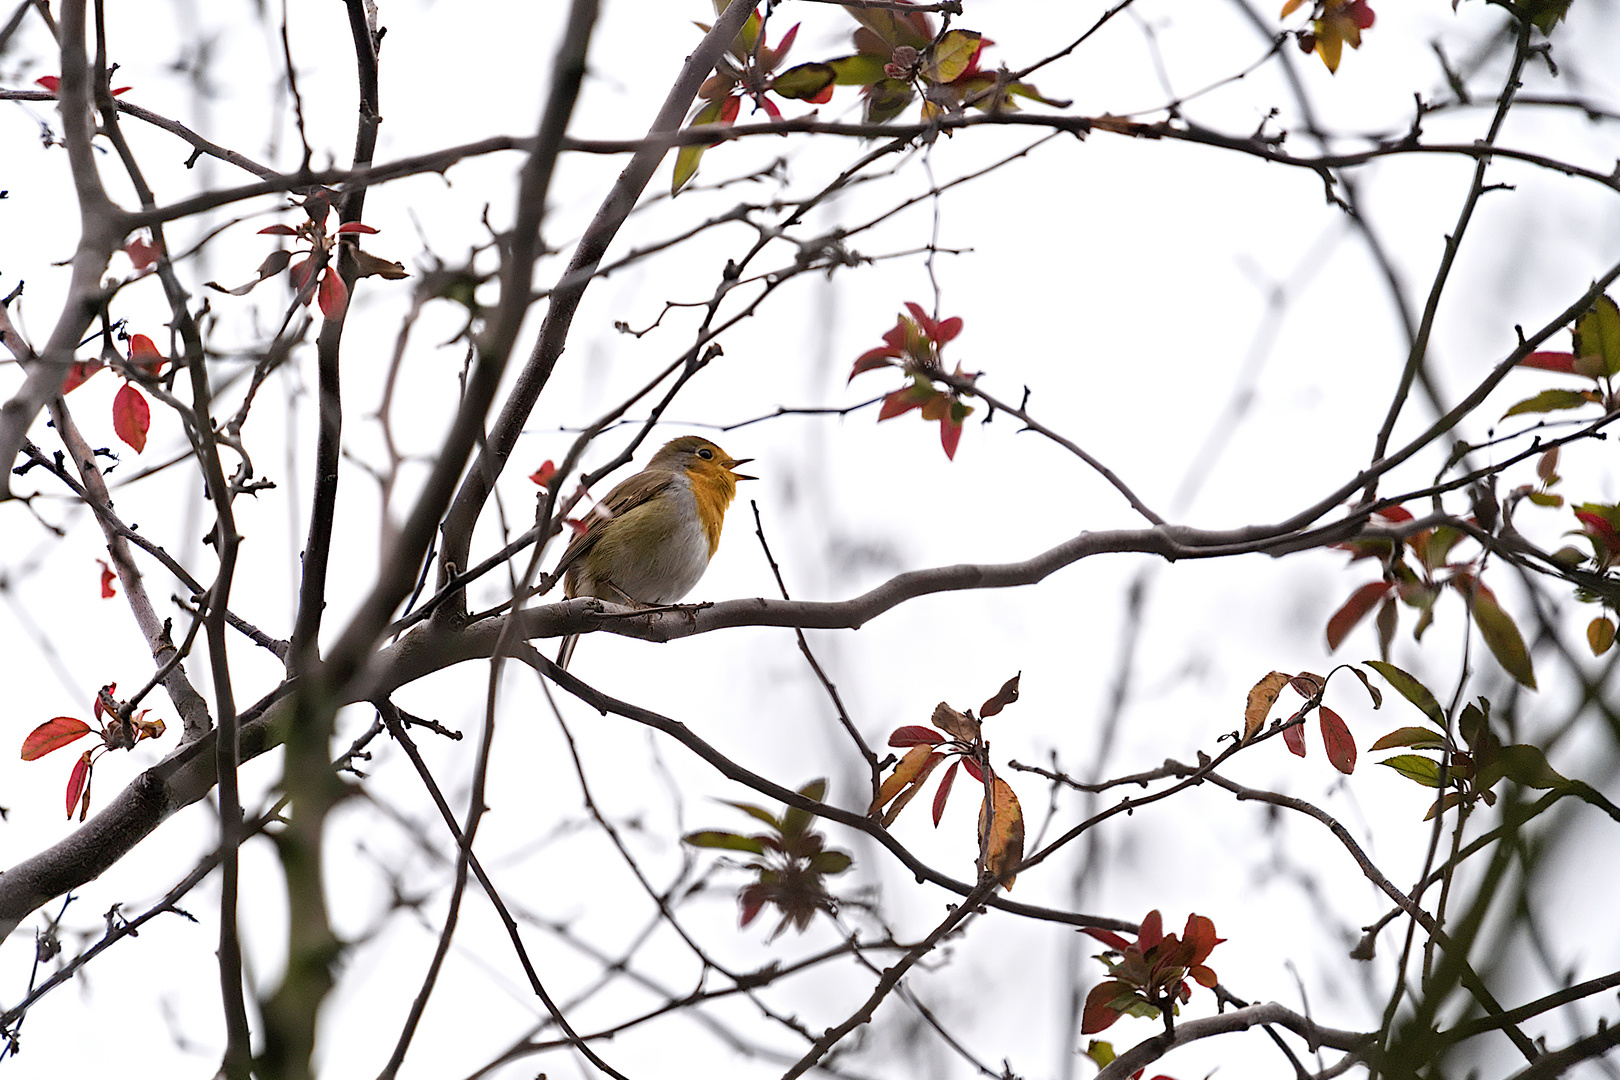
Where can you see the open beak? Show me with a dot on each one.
(732, 463)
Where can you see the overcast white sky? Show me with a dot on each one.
(1139, 289)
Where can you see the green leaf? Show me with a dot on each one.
(862, 69)
(1023, 89)
(887, 99)
(1550, 401)
(686, 160)
(758, 812)
(1597, 334)
(726, 841)
(1527, 765)
(1100, 1052)
(1425, 771)
(1502, 637)
(1546, 14)
(831, 862)
(1410, 689)
(1419, 738)
(803, 81)
(1475, 726)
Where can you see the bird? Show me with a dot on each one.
(651, 539)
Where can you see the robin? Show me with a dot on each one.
(651, 539)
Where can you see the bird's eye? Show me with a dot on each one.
(705, 453)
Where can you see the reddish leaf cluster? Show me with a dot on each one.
(1336, 737)
(1419, 588)
(1594, 355)
(1470, 770)
(131, 415)
(899, 57)
(792, 861)
(914, 345)
(748, 70)
(1148, 976)
(117, 733)
(957, 735)
(317, 262)
(1334, 24)
(53, 83)
(1600, 527)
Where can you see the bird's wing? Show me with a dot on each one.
(627, 495)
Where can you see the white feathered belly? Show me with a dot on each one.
(682, 556)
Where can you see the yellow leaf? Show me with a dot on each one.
(1001, 832)
(1261, 698)
(906, 780)
(951, 56)
(1289, 8)
(1600, 634)
(1329, 46)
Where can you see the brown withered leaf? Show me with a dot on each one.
(957, 725)
(1004, 697)
(1261, 699)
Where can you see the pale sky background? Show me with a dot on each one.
(1131, 285)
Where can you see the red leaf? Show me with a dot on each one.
(1341, 747)
(278, 230)
(1551, 361)
(947, 329)
(950, 433)
(751, 900)
(107, 579)
(874, 358)
(355, 227)
(78, 372)
(79, 784)
(915, 735)
(899, 403)
(1099, 1012)
(132, 417)
(973, 769)
(144, 355)
(1152, 931)
(1395, 513)
(333, 294)
(1107, 937)
(53, 734)
(1294, 739)
(49, 82)
(1600, 527)
(299, 273)
(924, 320)
(545, 474)
(944, 790)
(1200, 934)
(141, 252)
(1354, 610)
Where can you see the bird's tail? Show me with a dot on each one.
(566, 653)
